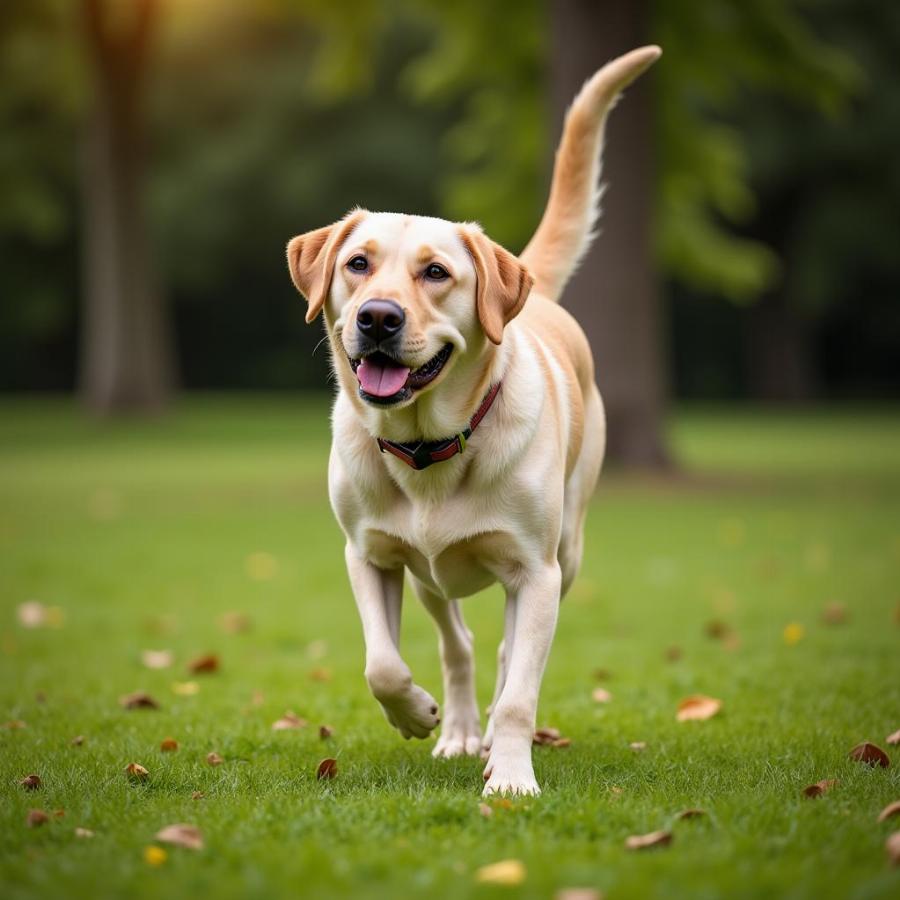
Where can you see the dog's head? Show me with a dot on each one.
(406, 297)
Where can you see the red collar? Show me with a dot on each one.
(426, 453)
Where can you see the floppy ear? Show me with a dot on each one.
(311, 259)
(503, 283)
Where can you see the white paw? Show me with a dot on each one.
(460, 734)
(413, 712)
(510, 774)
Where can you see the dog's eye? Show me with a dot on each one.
(436, 273)
(358, 264)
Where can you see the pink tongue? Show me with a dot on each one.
(381, 379)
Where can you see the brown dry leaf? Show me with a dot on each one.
(601, 695)
(562, 742)
(31, 782)
(213, 759)
(717, 630)
(36, 818)
(697, 708)
(508, 872)
(892, 809)
(602, 674)
(485, 810)
(820, 787)
(693, 813)
(59, 813)
(288, 722)
(157, 659)
(894, 739)
(136, 772)
(638, 746)
(325, 732)
(871, 754)
(197, 795)
(78, 740)
(138, 700)
(185, 688)
(892, 847)
(83, 832)
(646, 841)
(578, 893)
(834, 614)
(235, 622)
(320, 674)
(327, 769)
(546, 736)
(673, 653)
(168, 745)
(14, 725)
(181, 835)
(204, 665)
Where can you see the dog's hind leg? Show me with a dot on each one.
(461, 728)
(378, 592)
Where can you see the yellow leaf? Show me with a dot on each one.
(793, 633)
(507, 872)
(155, 856)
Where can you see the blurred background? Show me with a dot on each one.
(156, 155)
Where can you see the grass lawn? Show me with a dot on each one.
(142, 535)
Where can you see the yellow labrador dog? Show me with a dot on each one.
(468, 435)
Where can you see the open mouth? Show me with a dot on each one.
(384, 381)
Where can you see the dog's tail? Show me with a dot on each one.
(566, 231)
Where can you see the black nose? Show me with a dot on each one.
(380, 319)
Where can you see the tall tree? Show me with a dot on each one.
(615, 295)
(126, 359)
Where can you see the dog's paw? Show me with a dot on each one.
(510, 774)
(460, 734)
(413, 712)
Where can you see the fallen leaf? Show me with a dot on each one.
(892, 809)
(320, 674)
(871, 754)
(894, 739)
(793, 633)
(325, 732)
(261, 566)
(602, 674)
(327, 769)
(155, 856)
(197, 795)
(168, 745)
(545, 736)
(508, 871)
(637, 746)
(834, 614)
(485, 810)
(214, 759)
(157, 659)
(820, 787)
(83, 832)
(288, 722)
(78, 740)
(697, 708)
(204, 665)
(717, 629)
(138, 700)
(136, 772)
(562, 742)
(36, 818)
(693, 813)
(601, 695)
(235, 622)
(14, 725)
(673, 653)
(59, 813)
(892, 847)
(578, 894)
(185, 688)
(646, 841)
(180, 835)
(31, 782)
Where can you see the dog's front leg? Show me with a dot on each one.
(379, 594)
(509, 769)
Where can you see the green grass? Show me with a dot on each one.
(140, 533)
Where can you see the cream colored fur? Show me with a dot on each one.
(511, 508)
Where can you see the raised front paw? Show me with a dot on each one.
(413, 711)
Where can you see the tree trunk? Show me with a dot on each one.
(615, 294)
(126, 359)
